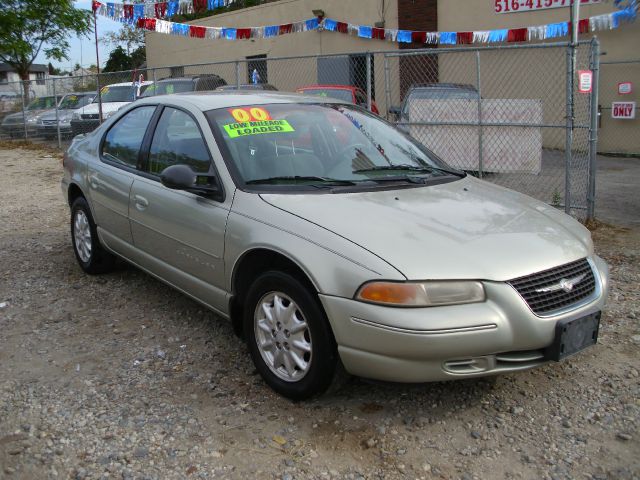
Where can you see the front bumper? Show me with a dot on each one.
(443, 343)
(49, 130)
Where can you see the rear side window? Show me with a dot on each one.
(177, 140)
(122, 142)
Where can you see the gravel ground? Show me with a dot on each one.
(119, 376)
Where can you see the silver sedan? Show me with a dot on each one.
(331, 240)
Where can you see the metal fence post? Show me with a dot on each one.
(568, 144)
(593, 130)
(369, 81)
(387, 85)
(238, 74)
(99, 98)
(55, 98)
(153, 74)
(24, 115)
(480, 130)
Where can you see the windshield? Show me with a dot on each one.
(344, 95)
(125, 93)
(167, 88)
(310, 144)
(74, 101)
(42, 103)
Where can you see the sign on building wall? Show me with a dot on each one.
(623, 110)
(625, 88)
(511, 6)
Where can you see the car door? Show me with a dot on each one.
(180, 234)
(110, 179)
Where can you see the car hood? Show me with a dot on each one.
(62, 115)
(107, 107)
(465, 229)
(17, 117)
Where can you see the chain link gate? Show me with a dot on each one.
(503, 113)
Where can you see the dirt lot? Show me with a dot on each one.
(119, 376)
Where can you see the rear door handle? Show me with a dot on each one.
(141, 202)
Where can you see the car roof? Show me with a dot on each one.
(210, 100)
(329, 87)
(448, 86)
(127, 84)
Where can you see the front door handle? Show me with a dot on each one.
(141, 202)
(93, 181)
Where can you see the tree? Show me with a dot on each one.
(118, 60)
(128, 35)
(138, 57)
(30, 26)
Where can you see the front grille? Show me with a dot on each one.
(543, 293)
(48, 122)
(89, 116)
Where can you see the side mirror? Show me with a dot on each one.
(181, 177)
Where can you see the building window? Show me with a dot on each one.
(4, 77)
(177, 72)
(40, 78)
(259, 64)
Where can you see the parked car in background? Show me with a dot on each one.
(432, 91)
(86, 119)
(248, 86)
(328, 236)
(195, 83)
(49, 120)
(346, 93)
(13, 124)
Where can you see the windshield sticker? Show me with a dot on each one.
(249, 114)
(73, 98)
(242, 129)
(170, 89)
(104, 90)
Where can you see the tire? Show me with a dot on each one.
(92, 258)
(283, 361)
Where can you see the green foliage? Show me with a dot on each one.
(119, 61)
(30, 26)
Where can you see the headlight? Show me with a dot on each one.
(421, 294)
(75, 116)
(33, 119)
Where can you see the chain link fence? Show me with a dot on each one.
(511, 115)
(619, 84)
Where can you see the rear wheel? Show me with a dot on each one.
(91, 256)
(289, 336)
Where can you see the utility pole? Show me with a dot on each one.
(95, 31)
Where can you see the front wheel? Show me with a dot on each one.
(289, 337)
(86, 245)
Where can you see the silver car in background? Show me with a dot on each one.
(330, 238)
(51, 121)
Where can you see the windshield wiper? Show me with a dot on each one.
(411, 168)
(325, 180)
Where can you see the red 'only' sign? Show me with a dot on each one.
(623, 110)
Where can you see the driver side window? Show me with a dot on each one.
(177, 140)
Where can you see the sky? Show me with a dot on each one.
(83, 50)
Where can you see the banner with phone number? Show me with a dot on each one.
(511, 6)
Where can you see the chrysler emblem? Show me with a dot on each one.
(565, 284)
